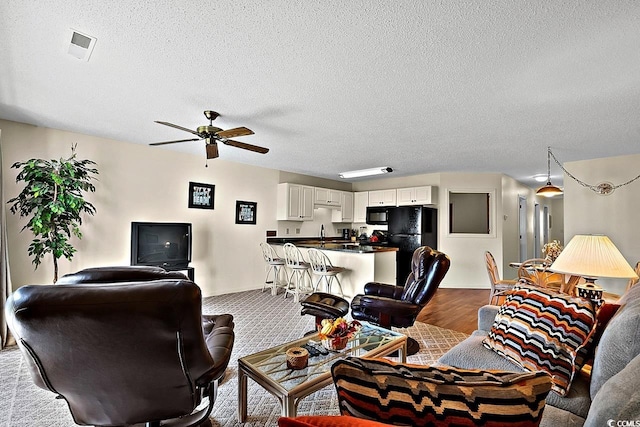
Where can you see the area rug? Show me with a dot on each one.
(262, 320)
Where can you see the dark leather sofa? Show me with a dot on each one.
(123, 345)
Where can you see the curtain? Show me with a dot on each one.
(5, 279)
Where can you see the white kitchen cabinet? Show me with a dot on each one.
(360, 203)
(327, 197)
(345, 213)
(382, 198)
(295, 202)
(415, 196)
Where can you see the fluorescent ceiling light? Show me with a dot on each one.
(366, 172)
(540, 178)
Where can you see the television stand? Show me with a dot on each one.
(190, 271)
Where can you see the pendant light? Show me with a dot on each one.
(549, 190)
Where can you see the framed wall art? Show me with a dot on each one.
(201, 196)
(246, 212)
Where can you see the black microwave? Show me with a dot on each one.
(377, 215)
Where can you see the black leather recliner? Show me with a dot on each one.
(123, 352)
(390, 305)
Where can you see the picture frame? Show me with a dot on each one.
(246, 212)
(201, 196)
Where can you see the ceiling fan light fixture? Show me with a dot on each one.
(366, 172)
(212, 149)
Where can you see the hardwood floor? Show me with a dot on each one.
(455, 308)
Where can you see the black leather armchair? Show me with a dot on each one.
(390, 305)
(123, 353)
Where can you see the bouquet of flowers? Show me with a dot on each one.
(551, 250)
(335, 333)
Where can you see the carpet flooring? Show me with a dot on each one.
(261, 321)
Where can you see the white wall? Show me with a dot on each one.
(512, 190)
(468, 268)
(615, 215)
(557, 220)
(143, 183)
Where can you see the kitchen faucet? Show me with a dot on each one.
(322, 233)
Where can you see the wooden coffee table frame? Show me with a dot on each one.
(268, 367)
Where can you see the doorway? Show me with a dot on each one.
(536, 229)
(545, 226)
(522, 228)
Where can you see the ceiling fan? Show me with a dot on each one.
(212, 135)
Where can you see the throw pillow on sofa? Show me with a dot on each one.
(419, 395)
(541, 330)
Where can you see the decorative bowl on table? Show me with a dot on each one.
(335, 334)
(335, 344)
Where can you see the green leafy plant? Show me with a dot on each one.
(53, 200)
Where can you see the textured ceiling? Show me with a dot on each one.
(336, 85)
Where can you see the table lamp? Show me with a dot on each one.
(592, 256)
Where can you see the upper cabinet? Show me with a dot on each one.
(295, 202)
(360, 203)
(415, 196)
(382, 198)
(327, 197)
(345, 213)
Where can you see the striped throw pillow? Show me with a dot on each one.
(541, 330)
(419, 395)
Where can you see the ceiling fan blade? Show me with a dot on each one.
(212, 150)
(245, 146)
(177, 140)
(178, 127)
(232, 133)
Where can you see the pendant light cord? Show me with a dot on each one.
(596, 188)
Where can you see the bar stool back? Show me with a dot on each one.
(297, 284)
(275, 265)
(322, 267)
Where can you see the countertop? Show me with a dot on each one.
(339, 245)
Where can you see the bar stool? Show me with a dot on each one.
(322, 267)
(297, 283)
(275, 264)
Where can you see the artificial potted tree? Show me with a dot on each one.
(53, 200)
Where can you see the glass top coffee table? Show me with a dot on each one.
(269, 368)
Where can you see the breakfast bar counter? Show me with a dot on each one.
(364, 263)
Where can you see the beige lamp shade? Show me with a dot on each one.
(592, 256)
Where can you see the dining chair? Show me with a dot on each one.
(498, 286)
(535, 272)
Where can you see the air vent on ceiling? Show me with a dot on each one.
(80, 45)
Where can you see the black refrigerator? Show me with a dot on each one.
(409, 228)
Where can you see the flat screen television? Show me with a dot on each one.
(164, 244)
